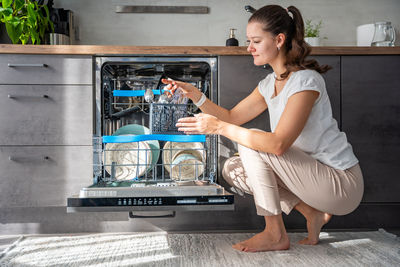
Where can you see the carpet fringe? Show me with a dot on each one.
(382, 231)
(13, 245)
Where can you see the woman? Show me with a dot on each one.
(305, 162)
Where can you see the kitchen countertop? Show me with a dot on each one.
(179, 50)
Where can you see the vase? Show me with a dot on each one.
(313, 41)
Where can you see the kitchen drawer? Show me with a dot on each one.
(45, 69)
(39, 176)
(45, 115)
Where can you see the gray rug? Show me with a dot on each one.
(161, 249)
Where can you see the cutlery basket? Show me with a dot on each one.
(163, 117)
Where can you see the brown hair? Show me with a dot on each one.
(276, 19)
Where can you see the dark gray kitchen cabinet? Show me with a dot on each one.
(332, 83)
(371, 120)
(365, 99)
(237, 78)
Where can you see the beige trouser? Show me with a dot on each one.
(279, 183)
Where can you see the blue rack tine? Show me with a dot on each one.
(129, 93)
(159, 137)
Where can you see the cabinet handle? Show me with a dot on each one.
(16, 159)
(23, 65)
(16, 96)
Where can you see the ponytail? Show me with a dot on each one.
(276, 19)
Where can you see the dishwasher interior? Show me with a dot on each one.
(140, 161)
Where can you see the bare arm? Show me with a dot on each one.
(291, 123)
(246, 110)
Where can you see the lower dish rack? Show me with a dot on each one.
(153, 172)
(154, 158)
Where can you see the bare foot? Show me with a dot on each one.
(264, 241)
(315, 221)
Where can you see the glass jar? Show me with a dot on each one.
(384, 34)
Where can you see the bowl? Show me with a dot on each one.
(172, 150)
(186, 167)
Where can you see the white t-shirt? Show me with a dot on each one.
(321, 137)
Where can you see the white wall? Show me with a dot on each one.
(100, 25)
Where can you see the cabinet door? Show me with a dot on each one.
(237, 78)
(46, 115)
(371, 120)
(45, 69)
(332, 83)
(39, 176)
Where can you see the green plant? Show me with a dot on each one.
(25, 20)
(312, 30)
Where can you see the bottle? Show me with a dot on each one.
(232, 41)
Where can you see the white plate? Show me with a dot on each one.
(136, 156)
(172, 149)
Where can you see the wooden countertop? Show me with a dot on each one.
(178, 50)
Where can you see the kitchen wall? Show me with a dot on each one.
(100, 25)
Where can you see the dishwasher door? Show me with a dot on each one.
(140, 161)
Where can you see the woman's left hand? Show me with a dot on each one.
(199, 124)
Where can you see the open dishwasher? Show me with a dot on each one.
(140, 161)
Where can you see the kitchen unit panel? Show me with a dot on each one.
(45, 69)
(332, 83)
(46, 115)
(39, 176)
(371, 120)
(237, 78)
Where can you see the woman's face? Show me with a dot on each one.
(262, 45)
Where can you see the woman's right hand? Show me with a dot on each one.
(188, 89)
